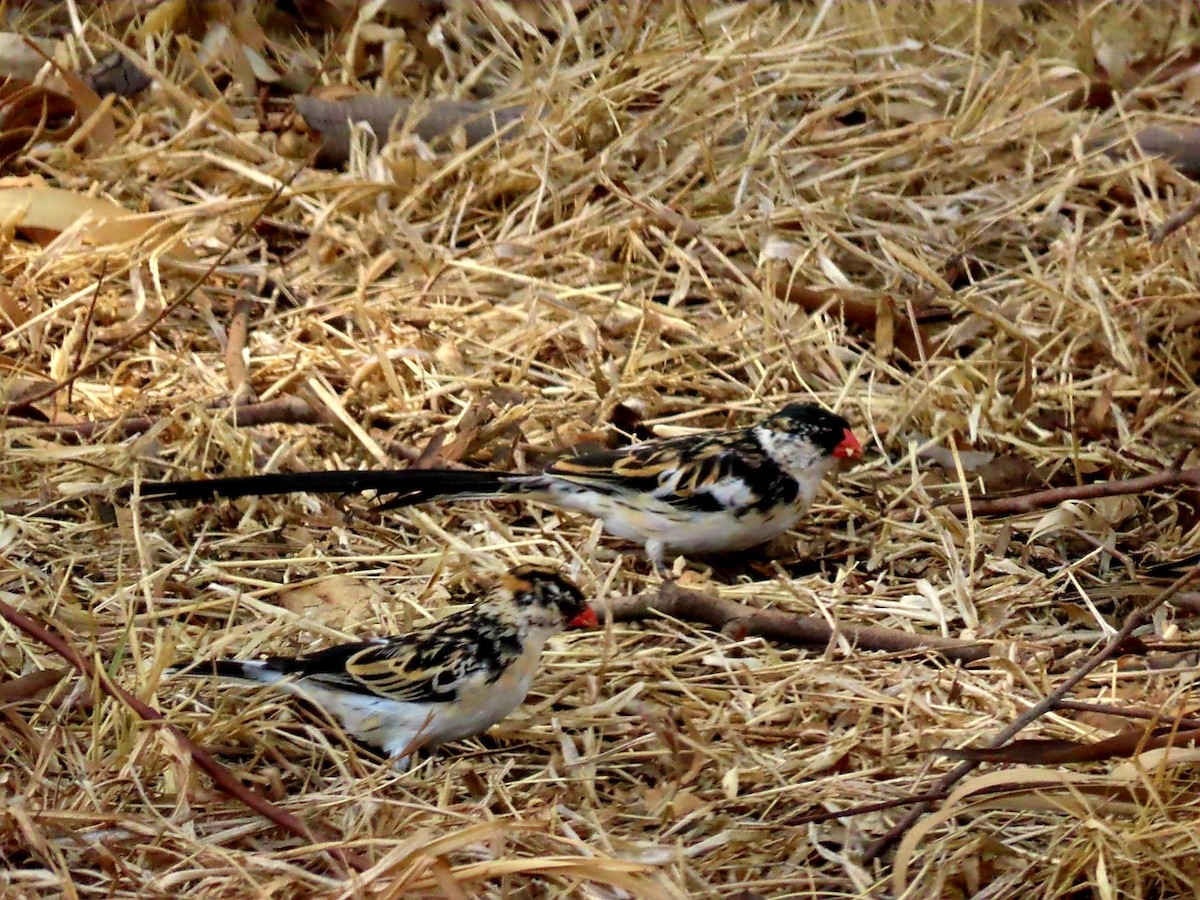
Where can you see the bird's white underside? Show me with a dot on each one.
(662, 526)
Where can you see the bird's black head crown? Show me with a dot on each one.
(807, 420)
(544, 587)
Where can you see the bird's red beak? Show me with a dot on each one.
(849, 448)
(586, 619)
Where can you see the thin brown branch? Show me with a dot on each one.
(1160, 232)
(864, 809)
(933, 796)
(741, 620)
(1023, 503)
(222, 778)
(1130, 712)
(1133, 621)
(235, 345)
(289, 410)
(1060, 752)
(30, 686)
(907, 800)
(1161, 662)
(91, 313)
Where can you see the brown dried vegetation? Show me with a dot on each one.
(934, 217)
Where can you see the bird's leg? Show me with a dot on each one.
(402, 747)
(656, 550)
(402, 762)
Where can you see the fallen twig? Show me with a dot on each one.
(860, 310)
(1022, 503)
(1133, 621)
(222, 778)
(740, 620)
(290, 410)
(28, 687)
(1059, 752)
(864, 809)
(933, 796)
(235, 346)
(1130, 712)
(91, 313)
(1173, 224)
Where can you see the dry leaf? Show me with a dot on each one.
(906, 111)
(944, 457)
(684, 803)
(859, 309)
(1100, 413)
(31, 686)
(334, 601)
(885, 327)
(1030, 790)
(333, 118)
(1181, 148)
(1052, 752)
(539, 15)
(29, 113)
(1116, 68)
(1154, 761)
(1057, 519)
(116, 74)
(94, 117)
(16, 389)
(653, 798)
(56, 210)
(1007, 473)
(161, 19)
(20, 57)
(12, 314)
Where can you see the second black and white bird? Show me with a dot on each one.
(447, 680)
(700, 493)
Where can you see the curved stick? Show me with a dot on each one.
(1022, 503)
(740, 620)
(1133, 621)
(222, 778)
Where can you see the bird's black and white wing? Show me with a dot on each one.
(702, 473)
(431, 666)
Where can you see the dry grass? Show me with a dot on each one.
(635, 245)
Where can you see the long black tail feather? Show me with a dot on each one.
(408, 486)
(263, 671)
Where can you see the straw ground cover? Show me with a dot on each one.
(904, 211)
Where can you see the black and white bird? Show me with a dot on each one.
(707, 492)
(444, 681)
